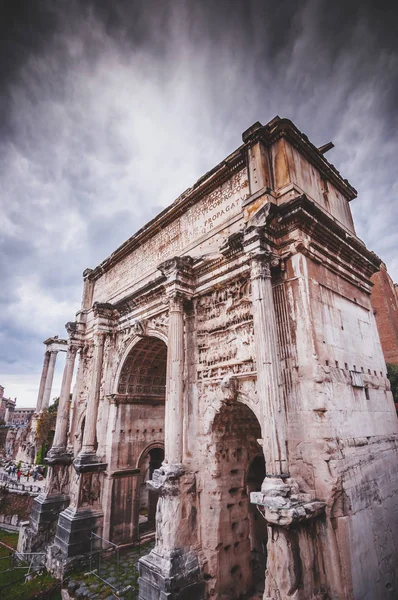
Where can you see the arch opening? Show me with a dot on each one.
(149, 498)
(238, 461)
(139, 432)
(143, 375)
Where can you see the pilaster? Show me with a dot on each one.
(279, 502)
(269, 379)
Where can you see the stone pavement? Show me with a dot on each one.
(122, 578)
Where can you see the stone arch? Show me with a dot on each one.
(128, 348)
(151, 458)
(233, 569)
(150, 447)
(140, 389)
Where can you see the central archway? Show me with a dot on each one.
(140, 400)
(236, 547)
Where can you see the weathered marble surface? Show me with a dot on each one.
(235, 331)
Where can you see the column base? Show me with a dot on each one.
(88, 461)
(292, 522)
(174, 576)
(73, 535)
(58, 456)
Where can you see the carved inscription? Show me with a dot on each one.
(211, 211)
(214, 209)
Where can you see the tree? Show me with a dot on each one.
(45, 430)
(392, 374)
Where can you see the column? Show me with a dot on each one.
(175, 381)
(49, 380)
(90, 429)
(61, 428)
(43, 381)
(269, 381)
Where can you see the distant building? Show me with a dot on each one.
(384, 298)
(10, 414)
(7, 406)
(20, 416)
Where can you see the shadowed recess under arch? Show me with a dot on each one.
(144, 370)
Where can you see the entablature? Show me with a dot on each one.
(301, 226)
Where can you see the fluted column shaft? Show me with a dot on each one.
(175, 382)
(61, 428)
(269, 380)
(49, 380)
(90, 428)
(43, 381)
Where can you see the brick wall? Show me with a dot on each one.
(385, 304)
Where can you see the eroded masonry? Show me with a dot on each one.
(231, 391)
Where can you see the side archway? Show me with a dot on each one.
(128, 351)
(140, 389)
(151, 459)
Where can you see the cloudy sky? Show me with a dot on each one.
(110, 109)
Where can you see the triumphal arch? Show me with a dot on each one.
(231, 392)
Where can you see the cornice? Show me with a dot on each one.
(144, 295)
(284, 128)
(326, 236)
(236, 161)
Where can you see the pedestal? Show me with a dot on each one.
(46, 508)
(171, 570)
(73, 536)
(84, 515)
(292, 539)
(42, 524)
(174, 576)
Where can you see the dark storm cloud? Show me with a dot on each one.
(110, 109)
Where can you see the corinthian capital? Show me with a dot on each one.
(178, 273)
(261, 263)
(176, 267)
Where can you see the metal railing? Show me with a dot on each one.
(97, 559)
(31, 563)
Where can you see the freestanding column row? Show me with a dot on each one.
(49, 380)
(53, 346)
(61, 428)
(175, 381)
(269, 380)
(43, 380)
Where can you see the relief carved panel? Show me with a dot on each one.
(225, 332)
(90, 490)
